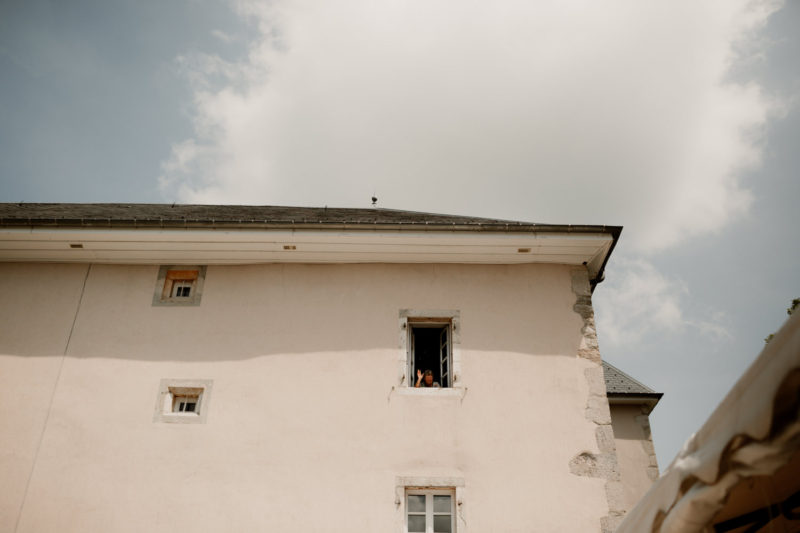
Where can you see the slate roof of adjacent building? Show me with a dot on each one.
(620, 383)
(205, 216)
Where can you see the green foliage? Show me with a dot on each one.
(789, 311)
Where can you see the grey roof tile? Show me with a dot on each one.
(181, 215)
(231, 213)
(618, 382)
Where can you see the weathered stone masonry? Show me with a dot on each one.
(602, 464)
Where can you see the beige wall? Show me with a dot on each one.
(635, 454)
(306, 430)
(38, 306)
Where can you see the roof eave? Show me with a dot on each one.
(162, 223)
(647, 400)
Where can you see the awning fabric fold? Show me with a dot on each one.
(754, 432)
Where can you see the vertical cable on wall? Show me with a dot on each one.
(52, 398)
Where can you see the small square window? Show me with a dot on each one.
(179, 285)
(430, 511)
(182, 400)
(185, 400)
(182, 288)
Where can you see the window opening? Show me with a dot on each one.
(185, 400)
(179, 285)
(429, 343)
(430, 511)
(185, 404)
(182, 288)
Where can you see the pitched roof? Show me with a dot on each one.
(180, 215)
(618, 382)
(590, 245)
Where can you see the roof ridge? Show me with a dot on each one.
(375, 209)
(116, 211)
(412, 212)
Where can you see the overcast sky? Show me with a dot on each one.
(676, 119)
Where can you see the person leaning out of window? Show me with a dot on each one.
(425, 379)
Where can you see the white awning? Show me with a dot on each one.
(742, 468)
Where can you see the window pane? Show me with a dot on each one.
(441, 524)
(416, 523)
(416, 503)
(441, 504)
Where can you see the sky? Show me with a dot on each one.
(676, 119)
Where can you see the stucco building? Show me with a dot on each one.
(232, 368)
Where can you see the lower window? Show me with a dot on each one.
(183, 401)
(430, 511)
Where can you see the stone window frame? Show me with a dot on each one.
(455, 485)
(405, 380)
(169, 388)
(168, 274)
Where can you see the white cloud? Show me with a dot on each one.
(566, 112)
(641, 302)
(222, 36)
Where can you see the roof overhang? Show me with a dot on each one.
(648, 400)
(309, 243)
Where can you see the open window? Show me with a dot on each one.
(429, 345)
(179, 285)
(430, 341)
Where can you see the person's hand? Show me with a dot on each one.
(419, 375)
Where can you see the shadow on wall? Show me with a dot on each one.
(626, 422)
(256, 310)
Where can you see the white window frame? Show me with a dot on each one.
(430, 512)
(434, 318)
(434, 323)
(171, 391)
(185, 397)
(179, 284)
(452, 485)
